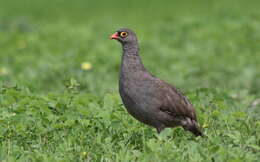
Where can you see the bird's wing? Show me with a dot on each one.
(174, 102)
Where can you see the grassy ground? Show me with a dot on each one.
(59, 76)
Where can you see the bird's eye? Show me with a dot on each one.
(123, 34)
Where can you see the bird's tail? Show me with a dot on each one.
(192, 126)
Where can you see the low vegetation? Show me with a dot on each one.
(59, 96)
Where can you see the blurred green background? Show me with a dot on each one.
(190, 44)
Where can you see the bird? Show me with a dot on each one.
(147, 98)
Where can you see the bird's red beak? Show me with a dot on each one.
(114, 36)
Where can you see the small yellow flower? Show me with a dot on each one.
(86, 66)
(205, 125)
(84, 153)
(3, 71)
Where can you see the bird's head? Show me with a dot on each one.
(124, 36)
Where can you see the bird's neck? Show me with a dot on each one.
(131, 61)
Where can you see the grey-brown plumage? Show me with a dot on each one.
(147, 98)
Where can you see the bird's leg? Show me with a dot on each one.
(159, 129)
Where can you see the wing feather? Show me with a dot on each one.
(175, 103)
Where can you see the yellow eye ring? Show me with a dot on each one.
(123, 34)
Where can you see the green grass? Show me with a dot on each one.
(53, 110)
